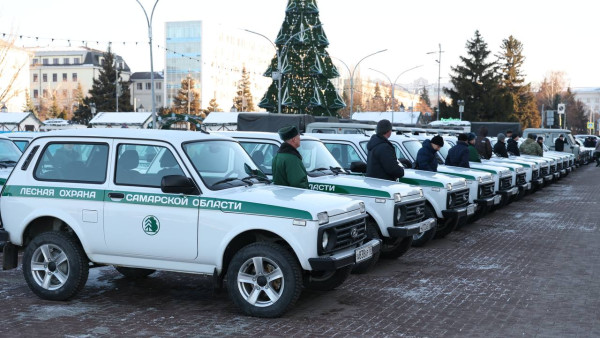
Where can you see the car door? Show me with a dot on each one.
(139, 219)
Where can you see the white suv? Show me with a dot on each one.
(149, 200)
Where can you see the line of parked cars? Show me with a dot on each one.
(147, 200)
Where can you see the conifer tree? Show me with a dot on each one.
(377, 102)
(213, 106)
(243, 100)
(511, 61)
(103, 92)
(477, 83)
(29, 106)
(187, 93)
(306, 67)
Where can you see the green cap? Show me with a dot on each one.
(287, 132)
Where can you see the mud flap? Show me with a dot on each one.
(10, 257)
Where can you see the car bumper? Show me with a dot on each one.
(563, 172)
(525, 187)
(539, 182)
(548, 178)
(342, 259)
(487, 202)
(461, 212)
(3, 237)
(506, 194)
(413, 229)
(556, 175)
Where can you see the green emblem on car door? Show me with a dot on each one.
(151, 225)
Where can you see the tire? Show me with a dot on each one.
(53, 254)
(366, 265)
(134, 273)
(396, 249)
(448, 225)
(421, 239)
(327, 280)
(263, 293)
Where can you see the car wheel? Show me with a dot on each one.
(55, 266)
(445, 227)
(327, 280)
(424, 237)
(134, 273)
(366, 265)
(264, 280)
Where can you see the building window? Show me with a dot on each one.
(76, 61)
(74, 77)
(35, 78)
(148, 85)
(45, 93)
(34, 61)
(158, 98)
(45, 61)
(55, 61)
(44, 77)
(158, 85)
(36, 94)
(64, 77)
(66, 61)
(140, 86)
(54, 77)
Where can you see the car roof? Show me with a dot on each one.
(259, 134)
(174, 136)
(340, 137)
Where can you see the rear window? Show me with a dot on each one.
(73, 162)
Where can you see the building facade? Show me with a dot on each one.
(141, 91)
(214, 55)
(14, 77)
(590, 96)
(58, 72)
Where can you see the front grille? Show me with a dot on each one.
(545, 171)
(535, 174)
(521, 180)
(486, 190)
(559, 166)
(410, 213)
(457, 199)
(340, 235)
(505, 183)
(553, 169)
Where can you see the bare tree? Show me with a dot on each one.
(10, 68)
(551, 87)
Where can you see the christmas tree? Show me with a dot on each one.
(243, 99)
(187, 98)
(305, 66)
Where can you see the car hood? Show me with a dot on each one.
(361, 186)
(466, 173)
(280, 201)
(429, 178)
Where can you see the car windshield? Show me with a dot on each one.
(316, 158)
(444, 150)
(222, 164)
(9, 153)
(570, 138)
(412, 147)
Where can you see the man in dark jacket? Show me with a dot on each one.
(426, 159)
(288, 168)
(381, 159)
(513, 145)
(559, 144)
(458, 155)
(540, 142)
(483, 145)
(500, 146)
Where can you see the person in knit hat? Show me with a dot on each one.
(500, 146)
(473, 153)
(381, 158)
(426, 159)
(512, 145)
(287, 165)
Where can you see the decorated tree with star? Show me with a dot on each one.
(306, 68)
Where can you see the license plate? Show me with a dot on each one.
(426, 226)
(497, 199)
(470, 209)
(364, 253)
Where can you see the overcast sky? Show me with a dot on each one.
(557, 35)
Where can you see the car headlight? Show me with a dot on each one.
(449, 186)
(323, 217)
(398, 215)
(397, 197)
(480, 179)
(325, 240)
(421, 192)
(361, 206)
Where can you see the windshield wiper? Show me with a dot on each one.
(318, 169)
(336, 170)
(8, 162)
(257, 177)
(225, 181)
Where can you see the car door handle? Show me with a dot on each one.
(116, 195)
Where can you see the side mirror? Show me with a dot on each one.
(358, 167)
(405, 163)
(177, 184)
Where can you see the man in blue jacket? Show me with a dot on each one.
(426, 159)
(458, 155)
(381, 159)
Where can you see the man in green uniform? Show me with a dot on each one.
(531, 147)
(288, 168)
(473, 153)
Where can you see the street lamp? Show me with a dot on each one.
(461, 107)
(393, 84)
(278, 75)
(439, 61)
(3, 109)
(149, 21)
